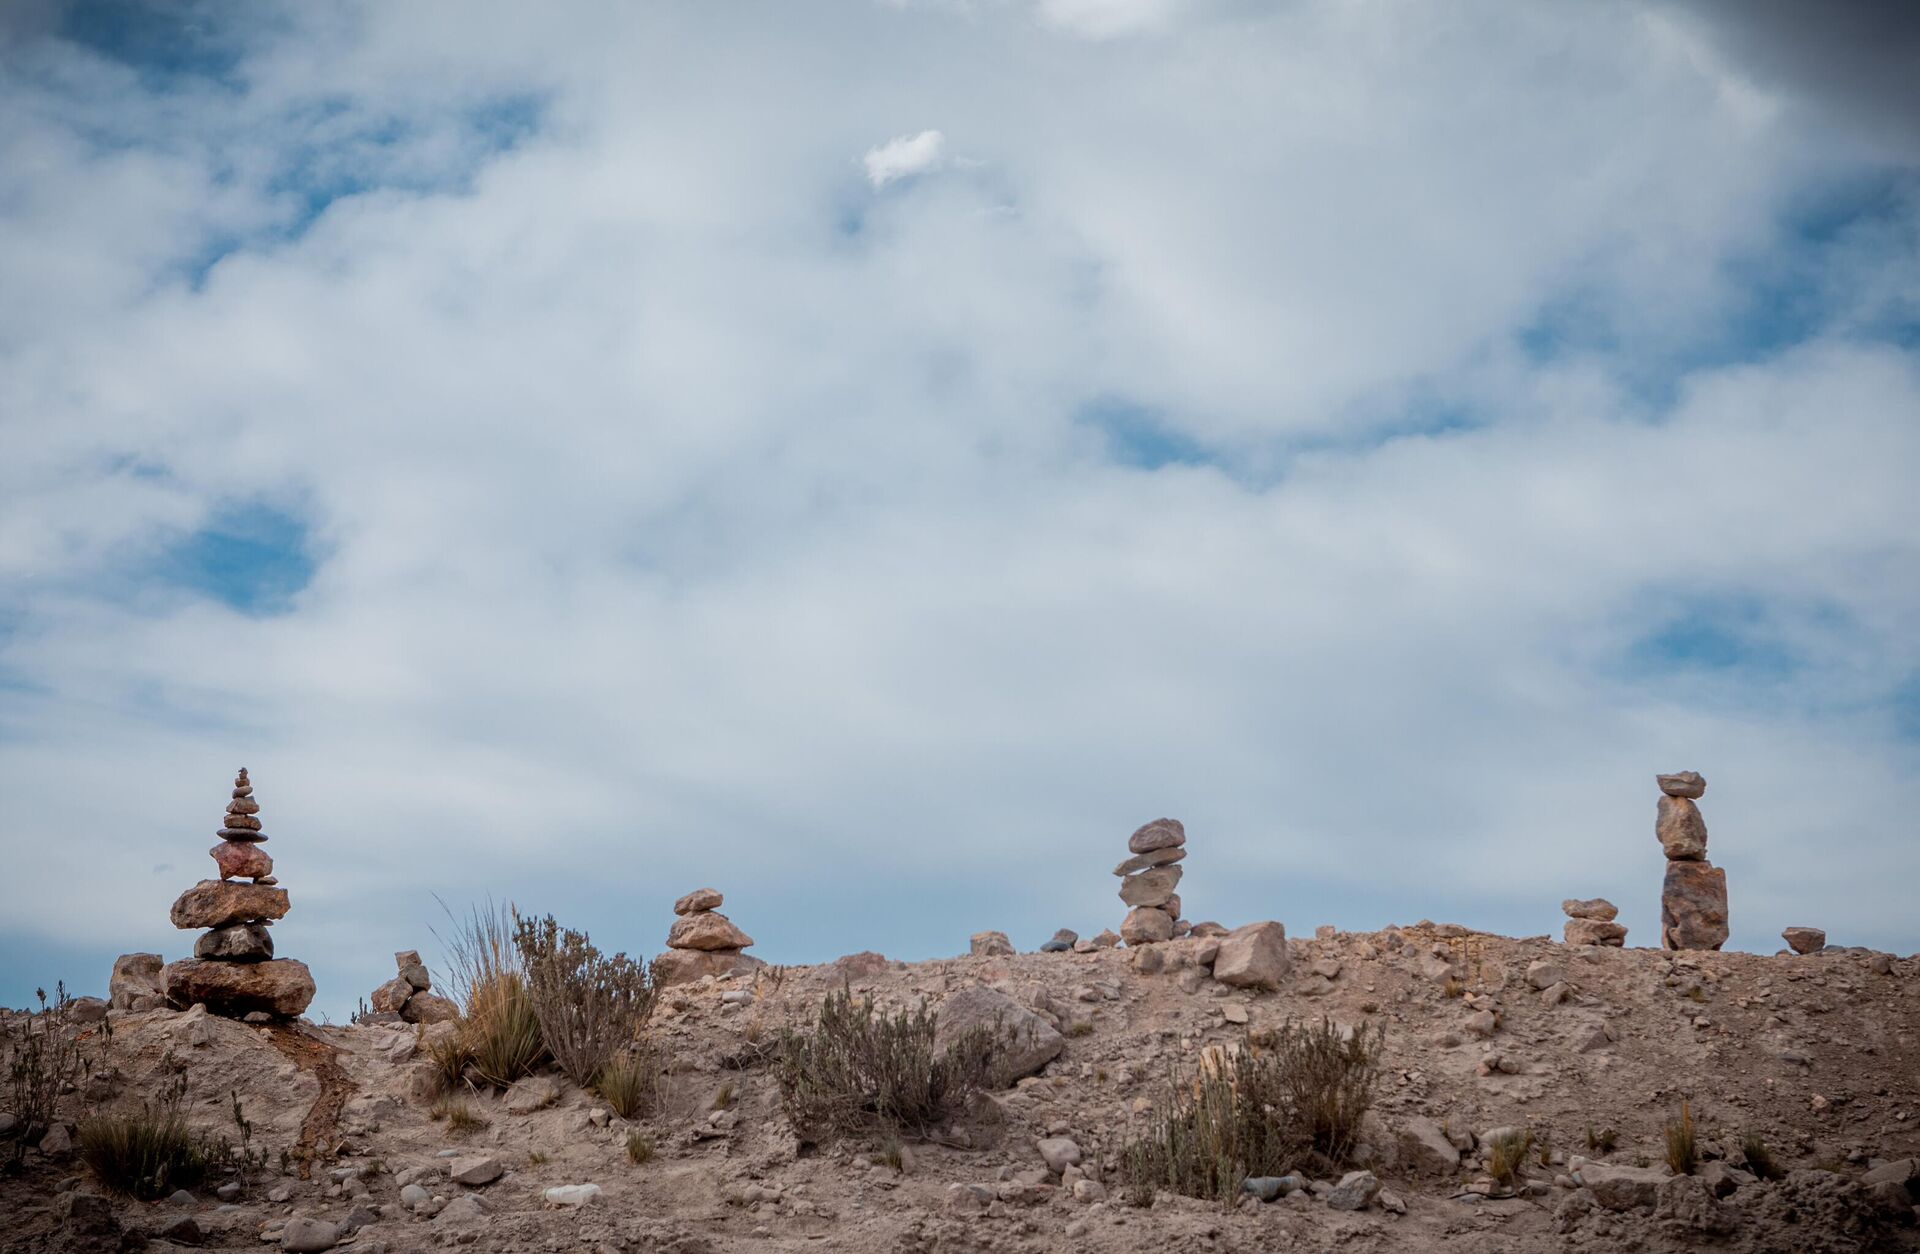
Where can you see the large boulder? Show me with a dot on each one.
(222, 903)
(707, 931)
(1595, 932)
(1805, 940)
(279, 986)
(1693, 906)
(1146, 925)
(1424, 1148)
(243, 942)
(1253, 956)
(990, 945)
(690, 966)
(433, 1008)
(136, 983)
(1023, 1041)
(1682, 832)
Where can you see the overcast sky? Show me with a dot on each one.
(869, 457)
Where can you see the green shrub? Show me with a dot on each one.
(861, 1072)
(1760, 1160)
(589, 1006)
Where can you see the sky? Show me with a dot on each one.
(870, 456)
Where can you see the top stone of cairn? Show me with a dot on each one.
(241, 821)
(1159, 834)
(1688, 784)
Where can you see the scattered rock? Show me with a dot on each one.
(1062, 942)
(278, 986)
(990, 945)
(1023, 1041)
(475, 1170)
(531, 1093)
(308, 1236)
(1424, 1148)
(1805, 940)
(1058, 1152)
(1253, 956)
(1356, 1191)
(1618, 1187)
(1545, 973)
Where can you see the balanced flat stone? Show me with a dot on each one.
(278, 986)
(1151, 888)
(1693, 906)
(239, 833)
(1595, 932)
(1591, 908)
(706, 931)
(1152, 858)
(222, 903)
(1804, 940)
(698, 900)
(243, 942)
(1682, 832)
(241, 859)
(1159, 834)
(1683, 784)
(243, 820)
(243, 805)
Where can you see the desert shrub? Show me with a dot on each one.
(627, 1082)
(1683, 1154)
(1601, 1142)
(1507, 1157)
(149, 1152)
(43, 1060)
(639, 1148)
(450, 1055)
(589, 1006)
(503, 1034)
(462, 1119)
(861, 1071)
(1760, 1160)
(1264, 1109)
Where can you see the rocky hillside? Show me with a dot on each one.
(1592, 1050)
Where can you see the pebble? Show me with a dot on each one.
(308, 1236)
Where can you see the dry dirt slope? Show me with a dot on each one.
(1816, 1054)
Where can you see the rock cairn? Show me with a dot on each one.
(1591, 922)
(1148, 880)
(233, 970)
(703, 942)
(1693, 901)
(409, 995)
(1805, 940)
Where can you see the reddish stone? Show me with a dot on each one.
(687, 966)
(706, 930)
(279, 986)
(1693, 906)
(239, 859)
(697, 900)
(222, 903)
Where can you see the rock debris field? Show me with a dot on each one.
(1795, 1073)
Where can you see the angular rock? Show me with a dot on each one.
(1424, 1148)
(990, 945)
(1209, 928)
(861, 966)
(433, 1008)
(1150, 859)
(531, 1093)
(278, 986)
(392, 997)
(1693, 906)
(222, 903)
(1805, 940)
(135, 978)
(1146, 925)
(1023, 1042)
(1688, 784)
(475, 1170)
(706, 931)
(698, 900)
(240, 859)
(415, 973)
(243, 942)
(1682, 832)
(1105, 938)
(1591, 908)
(1253, 956)
(1356, 1191)
(1595, 932)
(689, 966)
(1151, 888)
(1545, 973)
(1619, 1187)
(1061, 943)
(1159, 834)
(465, 1209)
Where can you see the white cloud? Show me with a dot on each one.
(1106, 19)
(685, 521)
(904, 157)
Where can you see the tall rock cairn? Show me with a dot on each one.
(1693, 902)
(1148, 880)
(233, 970)
(703, 942)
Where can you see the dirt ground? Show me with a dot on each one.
(1814, 1054)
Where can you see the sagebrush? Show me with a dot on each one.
(863, 1072)
(150, 1151)
(589, 1006)
(43, 1061)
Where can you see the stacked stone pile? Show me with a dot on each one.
(703, 942)
(1591, 922)
(233, 970)
(410, 995)
(1693, 901)
(1148, 880)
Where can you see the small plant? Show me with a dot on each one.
(1507, 1157)
(361, 1012)
(1683, 1154)
(1080, 1027)
(1601, 1142)
(1696, 993)
(535, 1158)
(462, 1119)
(1543, 1148)
(893, 1154)
(1452, 988)
(503, 1039)
(589, 1006)
(627, 1082)
(723, 1100)
(860, 1071)
(1760, 1160)
(149, 1152)
(42, 1062)
(1329, 1074)
(450, 1057)
(639, 1148)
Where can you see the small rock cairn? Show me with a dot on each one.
(1693, 901)
(703, 942)
(1148, 880)
(233, 970)
(1591, 922)
(409, 994)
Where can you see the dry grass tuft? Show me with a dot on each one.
(1507, 1157)
(1683, 1153)
(629, 1083)
(462, 1119)
(589, 1006)
(1760, 1159)
(639, 1148)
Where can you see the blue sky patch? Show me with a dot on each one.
(254, 559)
(1140, 437)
